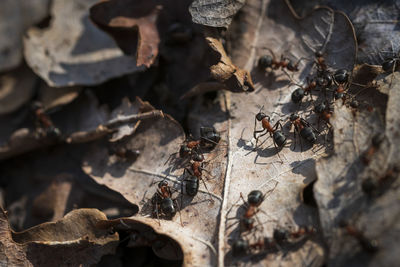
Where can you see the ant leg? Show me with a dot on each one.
(277, 151)
(205, 186)
(179, 211)
(244, 201)
(294, 139)
(255, 147)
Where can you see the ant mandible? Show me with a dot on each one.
(279, 139)
(163, 202)
(304, 129)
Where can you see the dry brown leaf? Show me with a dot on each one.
(132, 24)
(55, 97)
(247, 170)
(73, 240)
(15, 17)
(72, 51)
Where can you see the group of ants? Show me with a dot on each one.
(191, 152)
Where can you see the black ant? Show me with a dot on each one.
(254, 200)
(43, 121)
(369, 245)
(304, 129)
(279, 139)
(376, 141)
(268, 61)
(163, 203)
(371, 185)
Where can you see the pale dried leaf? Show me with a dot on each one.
(215, 13)
(15, 17)
(73, 240)
(16, 88)
(73, 51)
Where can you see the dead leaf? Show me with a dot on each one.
(132, 24)
(55, 97)
(15, 17)
(73, 51)
(214, 13)
(73, 240)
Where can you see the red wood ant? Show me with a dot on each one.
(254, 200)
(341, 79)
(44, 122)
(371, 185)
(193, 175)
(304, 129)
(163, 203)
(299, 93)
(270, 61)
(376, 141)
(324, 112)
(369, 245)
(280, 237)
(279, 139)
(320, 60)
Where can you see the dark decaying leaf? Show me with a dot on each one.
(73, 51)
(376, 24)
(215, 13)
(133, 26)
(73, 240)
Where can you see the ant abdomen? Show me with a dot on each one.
(341, 76)
(308, 134)
(167, 207)
(265, 62)
(279, 138)
(192, 185)
(298, 95)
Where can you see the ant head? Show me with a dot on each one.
(184, 150)
(319, 53)
(341, 76)
(162, 184)
(255, 197)
(294, 117)
(260, 116)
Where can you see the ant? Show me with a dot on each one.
(43, 122)
(193, 175)
(283, 236)
(324, 112)
(299, 93)
(369, 245)
(376, 141)
(341, 79)
(241, 246)
(371, 185)
(320, 60)
(209, 137)
(304, 129)
(268, 61)
(278, 137)
(163, 203)
(254, 200)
